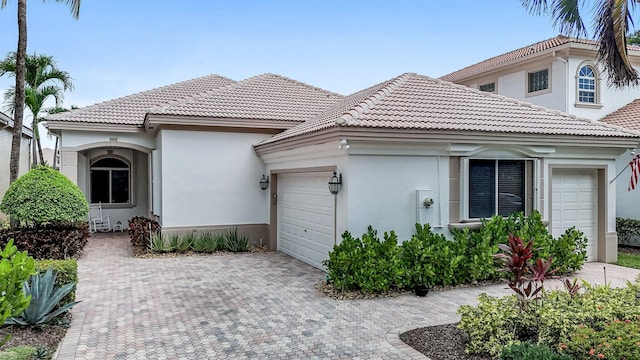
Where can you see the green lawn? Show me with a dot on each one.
(628, 260)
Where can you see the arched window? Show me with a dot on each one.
(110, 179)
(587, 85)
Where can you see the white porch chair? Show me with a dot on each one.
(97, 220)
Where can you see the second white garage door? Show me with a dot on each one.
(306, 215)
(575, 203)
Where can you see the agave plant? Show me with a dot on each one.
(44, 298)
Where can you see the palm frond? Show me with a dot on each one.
(535, 7)
(566, 17)
(613, 20)
(74, 6)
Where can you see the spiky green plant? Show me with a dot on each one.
(158, 244)
(174, 242)
(235, 242)
(187, 242)
(44, 298)
(200, 242)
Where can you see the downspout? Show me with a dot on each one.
(566, 79)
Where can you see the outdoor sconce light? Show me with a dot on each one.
(264, 183)
(335, 183)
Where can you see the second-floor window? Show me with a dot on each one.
(490, 87)
(538, 80)
(587, 85)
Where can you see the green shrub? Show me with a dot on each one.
(15, 269)
(497, 322)
(50, 241)
(235, 242)
(618, 339)
(19, 353)
(493, 324)
(43, 195)
(67, 273)
(569, 251)
(530, 352)
(626, 229)
(368, 265)
(185, 243)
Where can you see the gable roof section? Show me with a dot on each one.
(131, 110)
(7, 122)
(522, 53)
(262, 97)
(418, 102)
(627, 116)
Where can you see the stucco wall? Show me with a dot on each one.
(384, 192)
(628, 202)
(513, 84)
(211, 178)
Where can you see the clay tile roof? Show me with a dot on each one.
(627, 116)
(523, 52)
(413, 101)
(263, 97)
(131, 110)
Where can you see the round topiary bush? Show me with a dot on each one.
(42, 196)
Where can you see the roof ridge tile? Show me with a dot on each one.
(372, 100)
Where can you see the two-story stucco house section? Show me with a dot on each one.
(410, 149)
(561, 73)
(6, 137)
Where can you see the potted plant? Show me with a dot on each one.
(420, 288)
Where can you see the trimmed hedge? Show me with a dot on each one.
(52, 241)
(371, 265)
(44, 196)
(67, 272)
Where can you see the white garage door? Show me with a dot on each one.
(305, 217)
(575, 203)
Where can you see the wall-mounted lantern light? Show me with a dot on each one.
(264, 183)
(335, 183)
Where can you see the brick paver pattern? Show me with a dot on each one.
(242, 306)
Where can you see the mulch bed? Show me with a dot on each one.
(443, 342)
(47, 337)
(633, 250)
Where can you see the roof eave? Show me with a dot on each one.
(445, 136)
(56, 125)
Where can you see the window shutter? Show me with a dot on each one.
(482, 177)
(510, 187)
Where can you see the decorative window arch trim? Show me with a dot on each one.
(584, 95)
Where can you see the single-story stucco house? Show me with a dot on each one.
(410, 149)
(6, 137)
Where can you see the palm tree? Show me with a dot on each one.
(42, 81)
(612, 19)
(14, 163)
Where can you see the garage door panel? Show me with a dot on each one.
(574, 203)
(305, 217)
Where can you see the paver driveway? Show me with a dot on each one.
(241, 306)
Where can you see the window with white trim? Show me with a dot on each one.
(587, 85)
(538, 80)
(110, 180)
(498, 187)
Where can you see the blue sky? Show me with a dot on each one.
(118, 48)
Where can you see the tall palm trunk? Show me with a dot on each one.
(18, 112)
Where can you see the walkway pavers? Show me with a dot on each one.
(243, 306)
